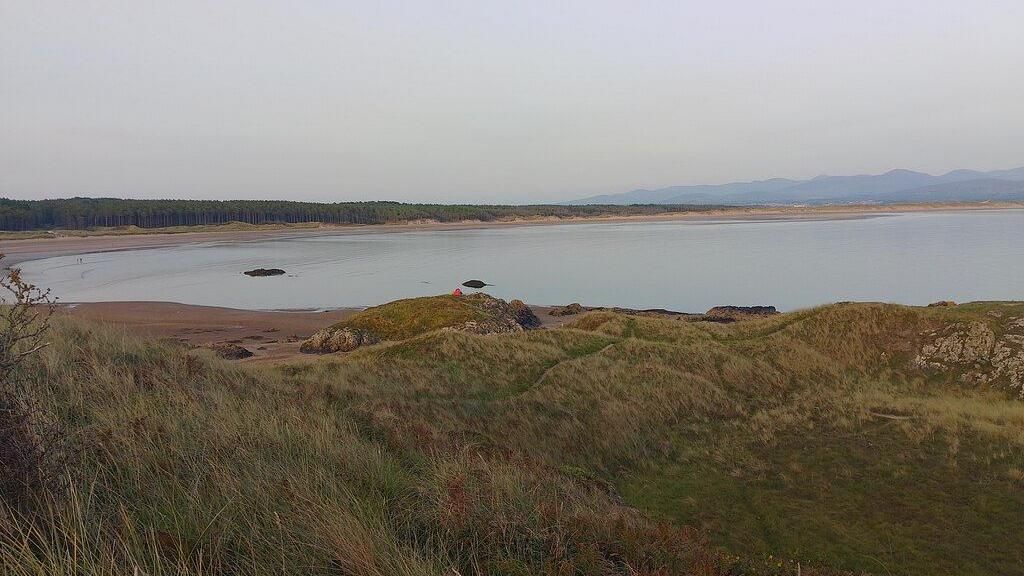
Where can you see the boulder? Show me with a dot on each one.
(339, 340)
(230, 351)
(524, 315)
(499, 316)
(977, 354)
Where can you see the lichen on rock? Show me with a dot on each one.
(340, 340)
(979, 355)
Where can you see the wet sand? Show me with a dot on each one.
(272, 336)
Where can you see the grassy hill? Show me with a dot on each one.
(853, 438)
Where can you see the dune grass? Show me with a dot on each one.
(616, 445)
(404, 319)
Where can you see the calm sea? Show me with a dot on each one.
(913, 258)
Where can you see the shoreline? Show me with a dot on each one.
(273, 336)
(27, 249)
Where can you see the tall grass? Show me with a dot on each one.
(618, 445)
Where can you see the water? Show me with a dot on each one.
(913, 258)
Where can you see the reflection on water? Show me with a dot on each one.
(690, 266)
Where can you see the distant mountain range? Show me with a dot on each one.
(892, 187)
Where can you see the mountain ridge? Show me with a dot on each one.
(897, 185)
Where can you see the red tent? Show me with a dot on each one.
(457, 292)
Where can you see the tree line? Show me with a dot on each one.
(85, 213)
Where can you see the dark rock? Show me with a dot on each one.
(726, 314)
(570, 310)
(524, 315)
(230, 351)
(259, 272)
(501, 316)
(942, 304)
(475, 284)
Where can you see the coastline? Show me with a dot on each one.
(271, 335)
(17, 250)
(274, 335)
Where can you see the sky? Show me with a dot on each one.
(508, 102)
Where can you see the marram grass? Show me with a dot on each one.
(617, 445)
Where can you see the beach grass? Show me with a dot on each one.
(615, 445)
(403, 319)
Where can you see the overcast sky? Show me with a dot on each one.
(496, 101)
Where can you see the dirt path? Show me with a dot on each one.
(536, 383)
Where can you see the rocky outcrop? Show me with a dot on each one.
(230, 351)
(524, 315)
(259, 272)
(337, 340)
(501, 316)
(977, 354)
(727, 314)
(942, 304)
(570, 310)
(476, 314)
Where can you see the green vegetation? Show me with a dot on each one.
(404, 319)
(616, 445)
(135, 230)
(86, 213)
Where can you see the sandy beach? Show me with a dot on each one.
(22, 250)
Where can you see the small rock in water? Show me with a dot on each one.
(264, 272)
(475, 284)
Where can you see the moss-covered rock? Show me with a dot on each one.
(402, 319)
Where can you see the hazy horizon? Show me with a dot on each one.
(483, 103)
